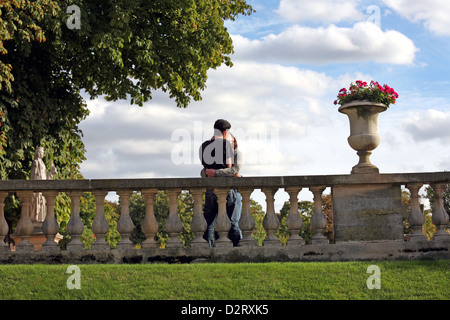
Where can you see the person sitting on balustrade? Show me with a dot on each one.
(220, 156)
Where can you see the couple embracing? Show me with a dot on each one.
(221, 157)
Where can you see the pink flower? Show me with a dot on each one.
(380, 87)
(360, 90)
(388, 89)
(361, 84)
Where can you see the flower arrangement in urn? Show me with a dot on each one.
(362, 103)
(374, 92)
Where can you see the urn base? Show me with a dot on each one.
(364, 165)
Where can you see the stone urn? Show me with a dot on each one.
(363, 117)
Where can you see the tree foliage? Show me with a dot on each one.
(134, 47)
(87, 214)
(19, 22)
(38, 104)
(306, 210)
(258, 213)
(161, 210)
(123, 49)
(428, 227)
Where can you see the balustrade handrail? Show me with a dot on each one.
(197, 186)
(224, 182)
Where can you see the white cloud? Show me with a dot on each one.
(363, 42)
(272, 109)
(268, 106)
(428, 125)
(134, 142)
(435, 14)
(326, 11)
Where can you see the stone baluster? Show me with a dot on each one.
(173, 224)
(440, 217)
(149, 225)
(3, 224)
(416, 218)
(294, 221)
(246, 223)
(25, 227)
(222, 224)
(318, 220)
(100, 225)
(198, 223)
(270, 221)
(50, 226)
(125, 225)
(75, 226)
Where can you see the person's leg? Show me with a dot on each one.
(210, 213)
(234, 207)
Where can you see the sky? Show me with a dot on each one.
(291, 58)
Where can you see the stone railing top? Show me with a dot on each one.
(224, 182)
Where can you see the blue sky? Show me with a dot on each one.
(291, 59)
(428, 71)
(429, 67)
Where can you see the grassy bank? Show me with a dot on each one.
(298, 281)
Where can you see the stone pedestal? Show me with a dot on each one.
(363, 118)
(367, 212)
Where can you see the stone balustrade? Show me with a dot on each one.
(367, 217)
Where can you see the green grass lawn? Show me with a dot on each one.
(253, 281)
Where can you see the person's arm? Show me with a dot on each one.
(228, 172)
(229, 154)
(203, 171)
(235, 169)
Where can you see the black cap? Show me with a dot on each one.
(222, 125)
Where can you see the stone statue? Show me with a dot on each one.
(39, 172)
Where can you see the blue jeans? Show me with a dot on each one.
(210, 211)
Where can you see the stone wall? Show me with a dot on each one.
(367, 214)
(345, 251)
